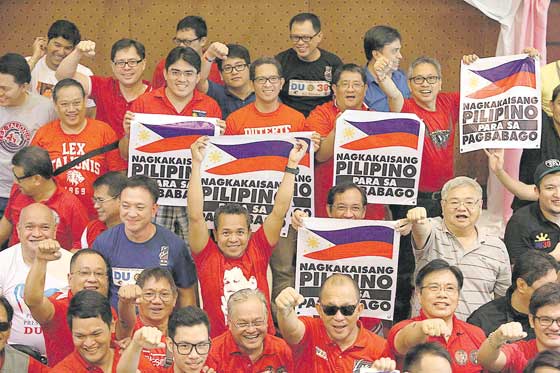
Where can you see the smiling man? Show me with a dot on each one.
(482, 257)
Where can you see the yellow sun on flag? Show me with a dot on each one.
(473, 82)
(215, 157)
(348, 133)
(312, 243)
(144, 135)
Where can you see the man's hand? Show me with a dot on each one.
(316, 141)
(198, 149)
(532, 52)
(148, 337)
(435, 328)
(384, 364)
(130, 294)
(403, 226)
(382, 68)
(127, 120)
(86, 48)
(510, 332)
(48, 250)
(217, 50)
(495, 159)
(417, 215)
(221, 124)
(469, 58)
(298, 151)
(40, 47)
(297, 218)
(288, 300)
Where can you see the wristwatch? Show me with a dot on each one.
(291, 170)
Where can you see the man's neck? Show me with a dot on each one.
(45, 191)
(73, 130)
(50, 65)
(20, 100)
(350, 340)
(555, 218)
(241, 92)
(113, 221)
(107, 363)
(131, 92)
(312, 57)
(518, 303)
(253, 354)
(143, 235)
(267, 107)
(178, 103)
(430, 106)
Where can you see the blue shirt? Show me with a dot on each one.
(375, 98)
(228, 102)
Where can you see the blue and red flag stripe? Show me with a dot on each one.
(384, 133)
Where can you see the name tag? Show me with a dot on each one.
(309, 88)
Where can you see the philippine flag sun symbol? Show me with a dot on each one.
(384, 133)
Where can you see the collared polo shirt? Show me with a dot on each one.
(375, 99)
(518, 355)
(228, 101)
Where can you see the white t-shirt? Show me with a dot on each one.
(17, 127)
(43, 79)
(13, 272)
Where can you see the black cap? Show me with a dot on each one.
(547, 167)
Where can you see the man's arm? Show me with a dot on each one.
(187, 297)
(69, 65)
(216, 50)
(326, 150)
(291, 327)
(421, 226)
(518, 188)
(129, 296)
(273, 222)
(198, 231)
(40, 306)
(382, 70)
(490, 355)
(146, 337)
(5, 230)
(418, 332)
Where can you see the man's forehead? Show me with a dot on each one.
(306, 25)
(62, 41)
(89, 260)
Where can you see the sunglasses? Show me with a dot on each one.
(4, 326)
(345, 310)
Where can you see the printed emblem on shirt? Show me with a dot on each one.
(198, 113)
(359, 364)
(125, 276)
(328, 73)
(45, 89)
(473, 357)
(163, 255)
(461, 357)
(322, 354)
(14, 136)
(282, 128)
(235, 280)
(271, 369)
(542, 241)
(309, 88)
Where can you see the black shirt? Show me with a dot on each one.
(490, 316)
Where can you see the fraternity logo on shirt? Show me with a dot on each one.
(322, 354)
(360, 365)
(198, 113)
(271, 369)
(309, 88)
(542, 241)
(163, 256)
(14, 136)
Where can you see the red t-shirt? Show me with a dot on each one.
(93, 229)
(437, 157)
(322, 120)
(316, 352)
(216, 272)
(71, 213)
(75, 363)
(463, 344)
(63, 148)
(249, 121)
(111, 104)
(156, 102)
(158, 80)
(225, 356)
(518, 355)
(154, 357)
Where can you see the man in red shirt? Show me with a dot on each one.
(237, 259)
(336, 341)
(88, 270)
(106, 191)
(33, 182)
(247, 347)
(544, 315)
(438, 285)
(191, 32)
(178, 97)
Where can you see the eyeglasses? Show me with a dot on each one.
(185, 42)
(20, 178)
(4, 326)
(86, 273)
(304, 38)
(435, 288)
(229, 69)
(263, 79)
(130, 63)
(165, 296)
(354, 85)
(247, 325)
(101, 201)
(420, 79)
(178, 73)
(185, 348)
(345, 310)
(455, 203)
(546, 322)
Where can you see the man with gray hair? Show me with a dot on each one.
(456, 238)
(246, 346)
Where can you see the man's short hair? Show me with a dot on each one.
(82, 252)
(115, 181)
(460, 181)
(34, 161)
(68, 82)
(337, 279)
(125, 44)
(265, 61)
(157, 273)
(88, 304)
(144, 182)
(187, 316)
(414, 356)
(342, 188)
(243, 295)
(545, 359)
(302, 17)
(231, 209)
(66, 30)
(438, 265)
(8, 308)
(196, 23)
(378, 37)
(15, 65)
(420, 60)
(54, 214)
(235, 51)
(555, 93)
(546, 295)
(531, 266)
(349, 67)
(186, 54)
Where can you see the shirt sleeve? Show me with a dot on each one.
(95, 83)
(184, 271)
(515, 358)
(262, 243)
(78, 220)
(391, 350)
(113, 157)
(231, 124)
(503, 280)
(318, 121)
(516, 238)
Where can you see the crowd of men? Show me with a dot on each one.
(95, 276)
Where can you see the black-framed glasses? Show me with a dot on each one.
(4, 326)
(185, 42)
(304, 38)
(20, 178)
(130, 63)
(185, 348)
(456, 203)
(418, 79)
(546, 322)
(165, 296)
(101, 200)
(263, 79)
(344, 310)
(229, 69)
(436, 288)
